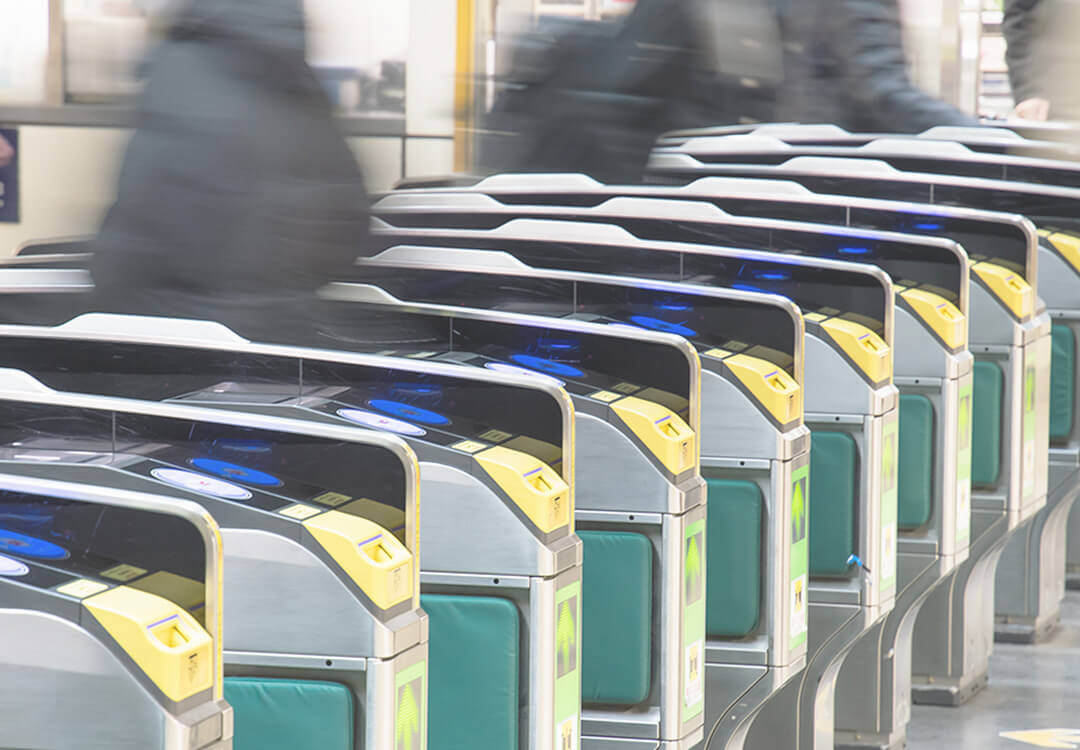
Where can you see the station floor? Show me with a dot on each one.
(1034, 690)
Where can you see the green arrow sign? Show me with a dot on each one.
(1068, 739)
(408, 719)
(693, 570)
(565, 637)
(798, 512)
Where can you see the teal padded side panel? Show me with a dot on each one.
(834, 471)
(987, 394)
(1062, 381)
(733, 568)
(915, 487)
(616, 619)
(473, 663)
(275, 714)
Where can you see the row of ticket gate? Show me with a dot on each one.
(754, 455)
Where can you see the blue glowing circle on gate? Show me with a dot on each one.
(408, 412)
(236, 472)
(551, 367)
(655, 324)
(28, 546)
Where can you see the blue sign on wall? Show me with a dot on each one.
(9, 177)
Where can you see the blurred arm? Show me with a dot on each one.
(1019, 26)
(873, 34)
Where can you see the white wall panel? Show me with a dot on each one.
(67, 178)
(429, 76)
(428, 157)
(380, 159)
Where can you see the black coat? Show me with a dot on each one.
(1021, 26)
(845, 64)
(238, 196)
(593, 97)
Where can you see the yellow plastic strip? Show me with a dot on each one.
(464, 87)
(160, 637)
(372, 557)
(865, 348)
(535, 487)
(186, 592)
(1067, 245)
(771, 386)
(943, 317)
(662, 431)
(1009, 287)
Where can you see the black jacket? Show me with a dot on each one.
(1020, 25)
(845, 64)
(592, 97)
(238, 196)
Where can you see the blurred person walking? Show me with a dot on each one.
(593, 96)
(238, 196)
(845, 65)
(1021, 25)
(1042, 57)
(7, 153)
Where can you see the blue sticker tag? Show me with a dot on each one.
(9, 176)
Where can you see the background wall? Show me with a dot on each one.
(67, 172)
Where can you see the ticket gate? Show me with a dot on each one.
(321, 517)
(848, 429)
(987, 140)
(1030, 334)
(496, 588)
(921, 154)
(1029, 588)
(934, 377)
(95, 659)
(626, 493)
(752, 441)
(639, 496)
(1064, 479)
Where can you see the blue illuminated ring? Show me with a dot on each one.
(655, 324)
(28, 546)
(235, 472)
(408, 412)
(551, 367)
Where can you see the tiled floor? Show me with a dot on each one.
(1031, 688)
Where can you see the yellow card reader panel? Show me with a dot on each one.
(865, 348)
(535, 487)
(661, 430)
(943, 317)
(372, 556)
(164, 640)
(1009, 287)
(771, 386)
(1067, 245)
